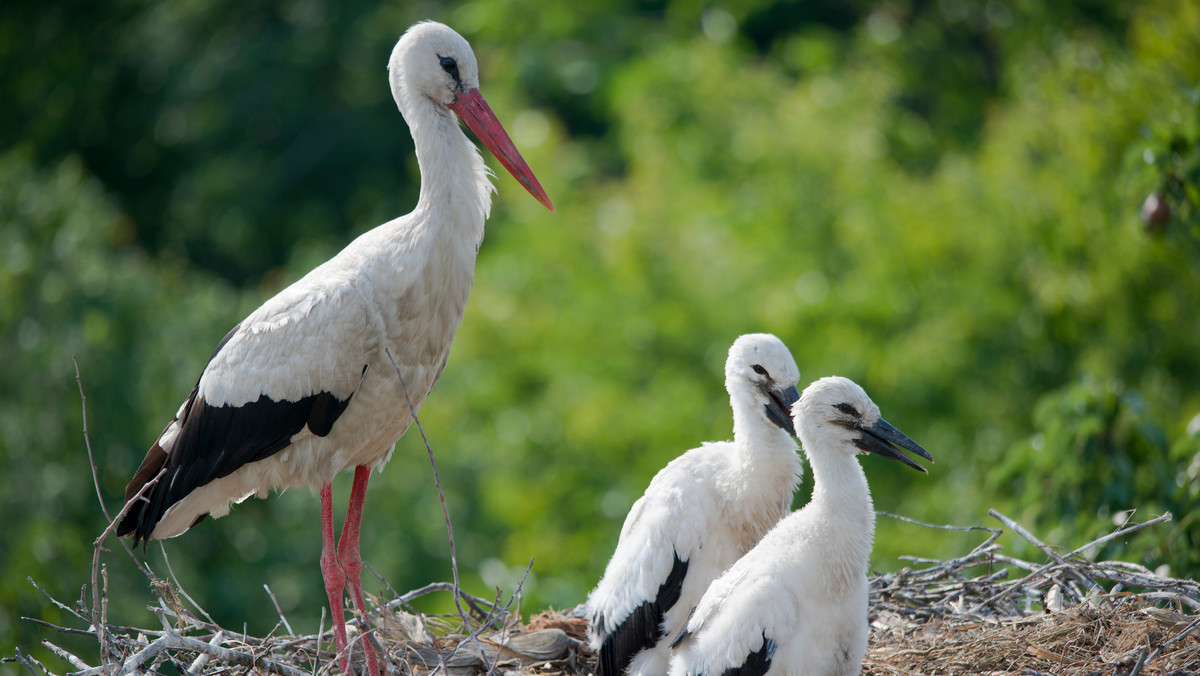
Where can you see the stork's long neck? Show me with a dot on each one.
(843, 499)
(753, 435)
(766, 467)
(454, 180)
(839, 483)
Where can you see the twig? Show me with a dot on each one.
(87, 442)
(102, 628)
(504, 622)
(906, 519)
(386, 585)
(320, 632)
(474, 601)
(1060, 563)
(179, 587)
(99, 609)
(171, 639)
(442, 497)
(275, 602)
(55, 601)
(489, 666)
(202, 659)
(1121, 533)
(28, 662)
(64, 655)
(61, 630)
(1047, 550)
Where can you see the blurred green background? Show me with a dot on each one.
(939, 199)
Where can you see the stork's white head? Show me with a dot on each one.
(431, 61)
(760, 371)
(432, 68)
(835, 415)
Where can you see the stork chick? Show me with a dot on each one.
(700, 514)
(796, 604)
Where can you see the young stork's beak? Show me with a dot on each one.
(780, 406)
(879, 439)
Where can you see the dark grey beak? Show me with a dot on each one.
(779, 410)
(879, 439)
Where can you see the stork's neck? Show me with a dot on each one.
(765, 468)
(843, 500)
(762, 447)
(751, 429)
(839, 481)
(454, 180)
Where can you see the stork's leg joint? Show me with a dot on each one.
(334, 573)
(334, 576)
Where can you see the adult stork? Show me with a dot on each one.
(700, 513)
(303, 388)
(797, 602)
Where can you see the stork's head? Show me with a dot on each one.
(834, 413)
(434, 68)
(761, 371)
(434, 62)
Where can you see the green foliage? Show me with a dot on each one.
(939, 200)
(1173, 156)
(1097, 458)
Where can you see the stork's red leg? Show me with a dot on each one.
(351, 561)
(335, 577)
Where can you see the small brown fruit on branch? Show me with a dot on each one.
(1155, 213)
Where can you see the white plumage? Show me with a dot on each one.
(303, 387)
(700, 513)
(796, 604)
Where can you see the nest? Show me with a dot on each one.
(1066, 616)
(982, 613)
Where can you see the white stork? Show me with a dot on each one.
(700, 513)
(303, 388)
(797, 602)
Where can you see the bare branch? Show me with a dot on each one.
(29, 663)
(906, 519)
(99, 607)
(1047, 550)
(64, 655)
(202, 659)
(1117, 534)
(179, 587)
(87, 442)
(275, 602)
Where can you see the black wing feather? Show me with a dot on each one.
(326, 409)
(643, 628)
(215, 441)
(757, 663)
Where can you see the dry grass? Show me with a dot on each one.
(1113, 636)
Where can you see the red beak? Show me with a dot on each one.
(474, 111)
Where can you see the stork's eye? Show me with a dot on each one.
(450, 66)
(848, 410)
(759, 370)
